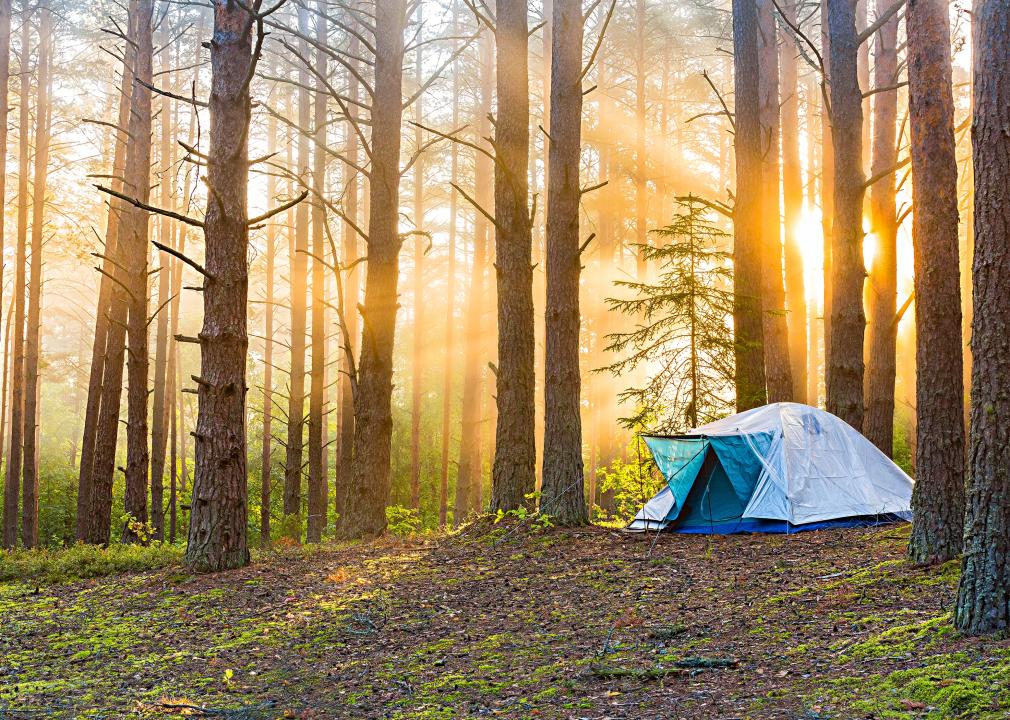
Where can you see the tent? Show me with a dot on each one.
(782, 468)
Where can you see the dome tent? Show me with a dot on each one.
(783, 468)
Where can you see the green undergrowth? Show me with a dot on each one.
(80, 562)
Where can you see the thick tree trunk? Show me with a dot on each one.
(747, 212)
(293, 461)
(983, 605)
(373, 420)
(30, 482)
(848, 323)
(563, 473)
(12, 480)
(217, 527)
(827, 191)
(878, 425)
(778, 373)
(468, 476)
(514, 472)
(792, 204)
(135, 250)
(318, 491)
(938, 497)
(5, 62)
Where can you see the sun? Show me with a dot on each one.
(810, 235)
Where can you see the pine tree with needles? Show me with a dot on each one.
(683, 336)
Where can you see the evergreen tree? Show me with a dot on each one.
(683, 337)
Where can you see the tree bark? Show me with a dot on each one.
(938, 496)
(563, 490)
(217, 527)
(778, 373)
(827, 191)
(352, 292)
(135, 252)
(983, 605)
(747, 212)
(848, 323)
(318, 491)
(514, 472)
(160, 410)
(43, 113)
(417, 359)
(468, 476)
(293, 461)
(5, 62)
(373, 420)
(878, 425)
(266, 456)
(792, 204)
(15, 454)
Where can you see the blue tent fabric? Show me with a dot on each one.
(781, 468)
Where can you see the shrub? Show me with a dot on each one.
(84, 561)
(401, 521)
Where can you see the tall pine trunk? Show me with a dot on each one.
(778, 374)
(417, 359)
(373, 420)
(514, 472)
(983, 605)
(938, 496)
(792, 205)
(845, 358)
(563, 472)
(12, 480)
(135, 251)
(30, 482)
(217, 526)
(318, 492)
(878, 425)
(747, 212)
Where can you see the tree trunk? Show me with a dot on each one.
(938, 497)
(848, 323)
(827, 190)
(135, 249)
(417, 360)
(983, 605)
(514, 473)
(778, 373)
(13, 476)
(160, 411)
(468, 476)
(642, 63)
(266, 462)
(217, 527)
(299, 280)
(5, 62)
(318, 492)
(878, 425)
(792, 204)
(373, 420)
(563, 473)
(352, 292)
(747, 212)
(30, 483)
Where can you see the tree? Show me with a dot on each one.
(514, 472)
(778, 374)
(16, 441)
(938, 497)
(683, 331)
(878, 424)
(217, 527)
(563, 490)
(373, 421)
(747, 212)
(33, 340)
(845, 361)
(982, 600)
(135, 252)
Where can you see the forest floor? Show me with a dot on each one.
(513, 623)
